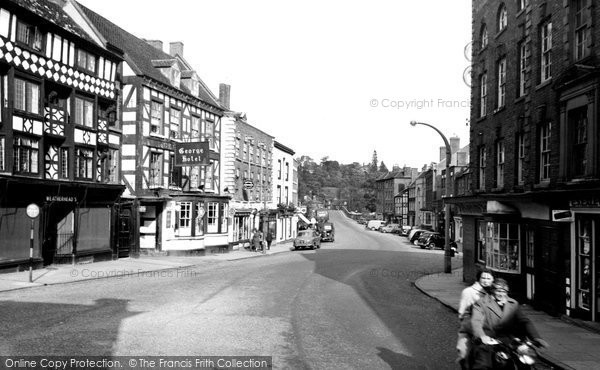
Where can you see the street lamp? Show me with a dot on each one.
(447, 249)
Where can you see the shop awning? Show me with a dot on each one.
(303, 218)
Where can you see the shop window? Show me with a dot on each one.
(481, 240)
(27, 96)
(84, 165)
(224, 218)
(530, 250)
(584, 262)
(212, 219)
(502, 247)
(26, 153)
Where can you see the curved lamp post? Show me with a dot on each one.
(447, 249)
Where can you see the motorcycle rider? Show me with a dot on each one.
(500, 317)
(469, 296)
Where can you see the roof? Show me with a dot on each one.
(141, 56)
(53, 13)
(284, 148)
(393, 175)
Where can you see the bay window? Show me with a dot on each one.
(26, 154)
(84, 163)
(84, 112)
(499, 246)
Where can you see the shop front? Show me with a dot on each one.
(76, 222)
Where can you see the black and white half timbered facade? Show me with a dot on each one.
(59, 135)
(167, 207)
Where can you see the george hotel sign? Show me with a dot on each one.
(192, 154)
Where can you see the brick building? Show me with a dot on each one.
(532, 212)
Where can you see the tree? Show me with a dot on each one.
(374, 162)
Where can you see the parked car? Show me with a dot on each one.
(405, 230)
(328, 232)
(389, 228)
(415, 234)
(431, 240)
(374, 224)
(308, 239)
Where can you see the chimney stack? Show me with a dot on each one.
(156, 43)
(176, 48)
(224, 95)
(454, 144)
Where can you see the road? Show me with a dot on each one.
(350, 305)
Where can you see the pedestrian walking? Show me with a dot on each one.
(256, 240)
(469, 296)
(269, 239)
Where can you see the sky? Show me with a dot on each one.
(328, 78)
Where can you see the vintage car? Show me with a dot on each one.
(328, 232)
(308, 239)
(431, 240)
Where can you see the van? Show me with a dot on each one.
(375, 224)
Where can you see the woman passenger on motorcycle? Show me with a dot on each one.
(469, 296)
(500, 317)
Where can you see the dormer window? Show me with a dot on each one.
(169, 69)
(29, 35)
(86, 61)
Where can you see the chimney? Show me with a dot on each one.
(224, 95)
(176, 48)
(454, 144)
(156, 43)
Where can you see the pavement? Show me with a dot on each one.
(68, 273)
(572, 346)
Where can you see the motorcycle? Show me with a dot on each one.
(514, 354)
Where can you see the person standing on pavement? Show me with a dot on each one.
(256, 240)
(469, 296)
(269, 239)
(498, 317)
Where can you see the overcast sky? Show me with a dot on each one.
(326, 78)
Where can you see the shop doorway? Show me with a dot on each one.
(125, 237)
(59, 233)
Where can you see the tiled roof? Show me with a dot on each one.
(53, 13)
(160, 63)
(140, 54)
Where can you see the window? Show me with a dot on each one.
(109, 165)
(185, 214)
(287, 200)
(2, 156)
(27, 96)
(483, 95)
(500, 164)
(546, 52)
(279, 169)
(520, 158)
(210, 133)
(501, 82)
(523, 4)
(196, 129)
(156, 117)
(545, 132)
(578, 127)
(523, 51)
(584, 241)
(581, 29)
(287, 172)
(502, 247)
(84, 112)
(212, 220)
(482, 159)
(175, 173)
(175, 122)
(530, 249)
(481, 232)
(29, 35)
(26, 152)
(278, 194)
(502, 18)
(86, 61)
(84, 159)
(155, 176)
(483, 37)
